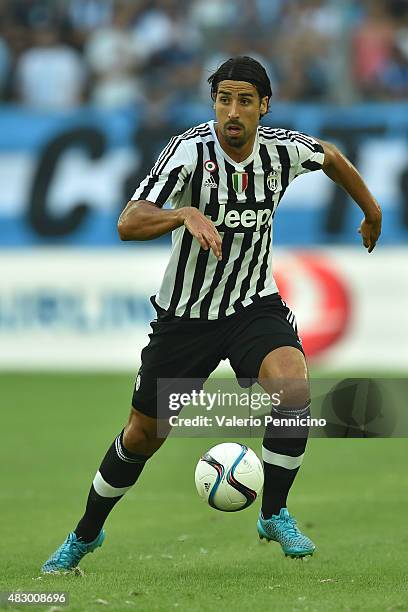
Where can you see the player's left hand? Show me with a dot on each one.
(370, 230)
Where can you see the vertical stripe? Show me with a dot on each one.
(230, 284)
(211, 208)
(254, 195)
(168, 187)
(266, 169)
(285, 163)
(250, 190)
(261, 249)
(181, 268)
(257, 262)
(262, 280)
(247, 281)
(202, 260)
(245, 245)
(187, 237)
(269, 279)
(167, 286)
(198, 279)
(219, 271)
(227, 243)
(197, 177)
(232, 195)
(242, 274)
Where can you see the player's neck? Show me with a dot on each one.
(237, 154)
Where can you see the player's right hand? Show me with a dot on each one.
(203, 229)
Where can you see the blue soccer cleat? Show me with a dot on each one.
(282, 528)
(69, 554)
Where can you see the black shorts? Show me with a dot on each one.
(192, 348)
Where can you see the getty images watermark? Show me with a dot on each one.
(222, 399)
(229, 409)
(233, 400)
(340, 408)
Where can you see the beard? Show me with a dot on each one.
(238, 140)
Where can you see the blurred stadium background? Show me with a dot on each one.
(91, 90)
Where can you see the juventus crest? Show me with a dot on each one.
(272, 180)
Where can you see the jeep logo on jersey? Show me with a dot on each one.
(247, 220)
(272, 180)
(240, 181)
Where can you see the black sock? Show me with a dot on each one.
(118, 472)
(282, 457)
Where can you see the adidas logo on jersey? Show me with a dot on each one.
(210, 182)
(241, 221)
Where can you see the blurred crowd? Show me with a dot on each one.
(57, 54)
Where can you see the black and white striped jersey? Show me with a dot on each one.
(241, 199)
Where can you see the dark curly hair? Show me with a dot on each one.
(242, 68)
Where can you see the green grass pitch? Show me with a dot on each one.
(166, 550)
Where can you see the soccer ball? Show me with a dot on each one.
(229, 477)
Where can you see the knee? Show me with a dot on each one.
(288, 393)
(284, 375)
(140, 434)
(294, 393)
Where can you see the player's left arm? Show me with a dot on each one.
(340, 170)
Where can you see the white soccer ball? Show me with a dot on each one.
(229, 477)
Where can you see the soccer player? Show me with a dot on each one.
(218, 299)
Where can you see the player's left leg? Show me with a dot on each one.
(283, 372)
(264, 345)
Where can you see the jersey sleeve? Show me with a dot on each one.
(169, 175)
(310, 153)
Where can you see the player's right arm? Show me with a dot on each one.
(144, 220)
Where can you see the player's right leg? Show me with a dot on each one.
(118, 472)
(177, 350)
